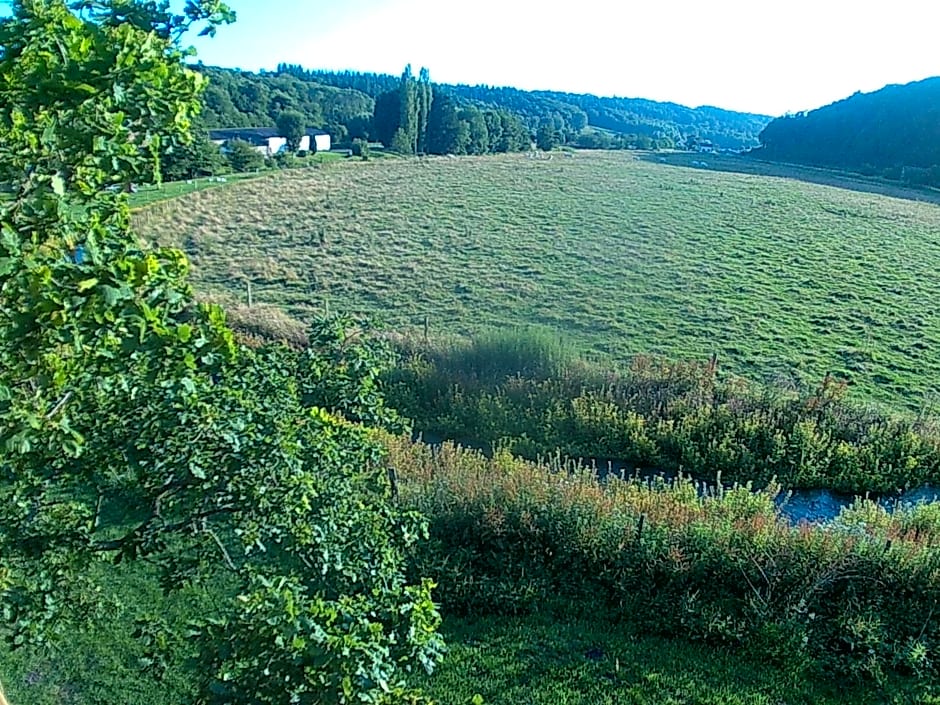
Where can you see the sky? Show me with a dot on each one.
(763, 56)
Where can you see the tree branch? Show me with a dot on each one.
(137, 534)
(225, 554)
(58, 407)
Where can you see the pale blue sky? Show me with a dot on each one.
(768, 56)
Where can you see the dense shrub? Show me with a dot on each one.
(854, 598)
(360, 148)
(529, 394)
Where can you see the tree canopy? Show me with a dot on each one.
(726, 129)
(291, 126)
(133, 424)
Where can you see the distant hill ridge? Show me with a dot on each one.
(892, 132)
(342, 102)
(726, 129)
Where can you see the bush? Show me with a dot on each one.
(360, 148)
(527, 390)
(286, 160)
(242, 157)
(856, 598)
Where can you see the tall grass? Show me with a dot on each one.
(496, 354)
(673, 557)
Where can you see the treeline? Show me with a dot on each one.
(351, 105)
(243, 99)
(659, 122)
(414, 118)
(893, 132)
(570, 113)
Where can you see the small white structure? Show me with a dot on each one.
(268, 142)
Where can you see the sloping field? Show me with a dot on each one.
(785, 280)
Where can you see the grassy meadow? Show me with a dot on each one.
(155, 193)
(784, 280)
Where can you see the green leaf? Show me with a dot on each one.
(86, 284)
(58, 185)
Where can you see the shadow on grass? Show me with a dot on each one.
(540, 661)
(742, 164)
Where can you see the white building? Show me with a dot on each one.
(267, 141)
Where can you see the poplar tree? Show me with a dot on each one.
(408, 109)
(425, 97)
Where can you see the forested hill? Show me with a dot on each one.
(894, 132)
(236, 98)
(726, 129)
(343, 103)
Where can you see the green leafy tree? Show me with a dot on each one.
(494, 130)
(425, 97)
(546, 137)
(292, 127)
(243, 157)
(478, 141)
(400, 117)
(447, 133)
(360, 148)
(339, 134)
(408, 109)
(401, 143)
(188, 160)
(386, 116)
(360, 127)
(133, 425)
(514, 135)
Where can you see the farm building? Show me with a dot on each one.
(267, 141)
(700, 145)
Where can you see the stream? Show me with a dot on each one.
(813, 506)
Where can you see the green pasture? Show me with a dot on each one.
(148, 194)
(621, 253)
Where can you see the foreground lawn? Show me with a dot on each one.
(536, 661)
(498, 661)
(785, 280)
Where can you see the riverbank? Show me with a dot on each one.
(854, 598)
(814, 506)
(526, 392)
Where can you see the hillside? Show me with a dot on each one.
(726, 129)
(344, 102)
(236, 98)
(894, 132)
(194, 511)
(784, 280)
